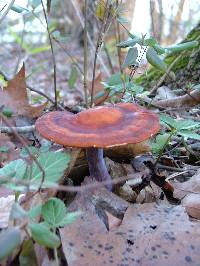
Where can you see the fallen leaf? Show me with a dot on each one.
(5, 208)
(7, 149)
(15, 97)
(192, 205)
(150, 234)
(188, 187)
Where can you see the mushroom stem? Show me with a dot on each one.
(97, 166)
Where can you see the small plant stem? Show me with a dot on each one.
(55, 252)
(98, 46)
(85, 54)
(164, 146)
(109, 59)
(53, 56)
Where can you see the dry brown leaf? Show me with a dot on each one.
(188, 187)
(15, 97)
(10, 153)
(192, 205)
(150, 234)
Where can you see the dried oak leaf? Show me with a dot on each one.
(15, 97)
(150, 234)
(7, 149)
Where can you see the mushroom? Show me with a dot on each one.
(98, 128)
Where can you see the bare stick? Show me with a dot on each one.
(98, 46)
(22, 130)
(53, 56)
(85, 54)
(73, 2)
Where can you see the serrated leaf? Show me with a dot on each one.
(168, 120)
(188, 134)
(183, 46)
(70, 218)
(34, 212)
(131, 57)
(53, 211)
(16, 168)
(154, 59)
(187, 124)
(43, 236)
(53, 164)
(9, 240)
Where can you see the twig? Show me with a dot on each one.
(7, 10)
(53, 56)
(165, 75)
(83, 187)
(73, 2)
(45, 96)
(98, 46)
(20, 130)
(85, 54)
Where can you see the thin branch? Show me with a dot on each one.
(98, 46)
(20, 130)
(7, 10)
(73, 2)
(85, 54)
(53, 56)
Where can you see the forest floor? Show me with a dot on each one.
(153, 218)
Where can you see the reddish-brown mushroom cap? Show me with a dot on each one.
(104, 126)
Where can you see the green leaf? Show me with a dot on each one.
(19, 9)
(189, 135)
(16, 168)
(131, 57)
(159, 143)
(33, 150)
(154, 59)
(27, 255)
(9, 240)
(168, 120)
(7, 112)
(187, 124)
(54, 164)
(73, 77)
(43, 236)
(70, 218)
(183, 46)
(35, 212)
(4, 148)
(35, 3)
(128, 43)
(196, 87)
(17, 212)
(53, 212)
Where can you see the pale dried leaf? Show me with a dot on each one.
(192, 205)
